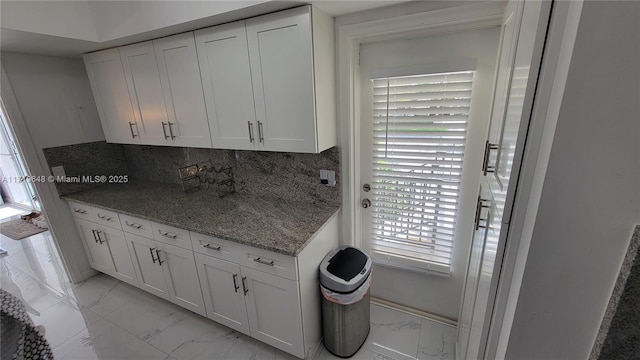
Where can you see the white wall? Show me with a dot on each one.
(50, 103)
(69, 19)
(591, 196)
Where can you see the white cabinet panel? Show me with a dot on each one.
(150, 273)
(181, 277)
(180, 77)
(281, 57)
(273, 306)
(81, 211)
(136, 226)
(226, 80)
(109, 87)
(145, 92)
(97, 251)
(106, 217)
(122, 266)
(223, 295)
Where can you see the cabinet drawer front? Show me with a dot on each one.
(270, 262)
(221, 249)
(81, 211)
(136, 226)
(107, 218)
(171, 235)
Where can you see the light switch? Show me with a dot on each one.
(58, 171)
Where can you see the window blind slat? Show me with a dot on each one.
(419, 129)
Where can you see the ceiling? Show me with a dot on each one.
(70, 28)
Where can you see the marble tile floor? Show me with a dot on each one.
(104, 318)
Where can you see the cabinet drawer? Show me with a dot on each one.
(270, 262)
(106, 217)
(219, 248)
(136, 226)
(81, 211)
(171, 235)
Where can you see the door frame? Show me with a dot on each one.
(552, 78)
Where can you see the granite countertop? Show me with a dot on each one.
(264, 222)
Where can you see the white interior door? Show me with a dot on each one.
(425, 107)
(522, 41)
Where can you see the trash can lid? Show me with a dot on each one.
(344, 269)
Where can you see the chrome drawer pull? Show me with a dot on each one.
(133, 225)
(208, 246)
(167, 234)
(105, 217)
(258, 260)
(80, 211)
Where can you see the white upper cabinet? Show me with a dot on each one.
(110, 92)
(177, 60)
(145, 91)
(292, 68)
(226, 80)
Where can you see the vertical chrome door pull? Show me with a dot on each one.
(164, 130)
(235, 282)
(488, 147)
(245, 288)
(94, 235)
(260, 135)
(99, 238)
(131, 128)
(250, 125)
(479, 206)
(171, 130)
(151, 252)
(160, 262)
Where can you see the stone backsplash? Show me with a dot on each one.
(260, 173)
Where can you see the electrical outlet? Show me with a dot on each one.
(58, 171)
(328, 177)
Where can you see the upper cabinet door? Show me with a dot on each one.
(145, 91)
(109, 87)
(281, 54)
(226, 80)
(180, 76)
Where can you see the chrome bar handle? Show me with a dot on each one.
(160, 262)
(167, 234)
(485, 163)
(245, 288)
(95, 237)
(80, 211)
(164, 130)
(208, 246)
(258, 260)
(250, 125)
(235, 282)
(131, 128)
(260, 132)
(133, 225)
(104, 217)
(171, 130)
(151, 252)
(99, 238)
(479, 206)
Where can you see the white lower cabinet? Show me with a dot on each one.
(262, 305)
(107, 251)
(166, 271)
(266, 295)
(273, 307)
(221, 283)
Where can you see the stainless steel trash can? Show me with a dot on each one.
(345, 281)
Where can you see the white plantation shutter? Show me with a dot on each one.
(419, 135)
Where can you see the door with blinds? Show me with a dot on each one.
(424, 116)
